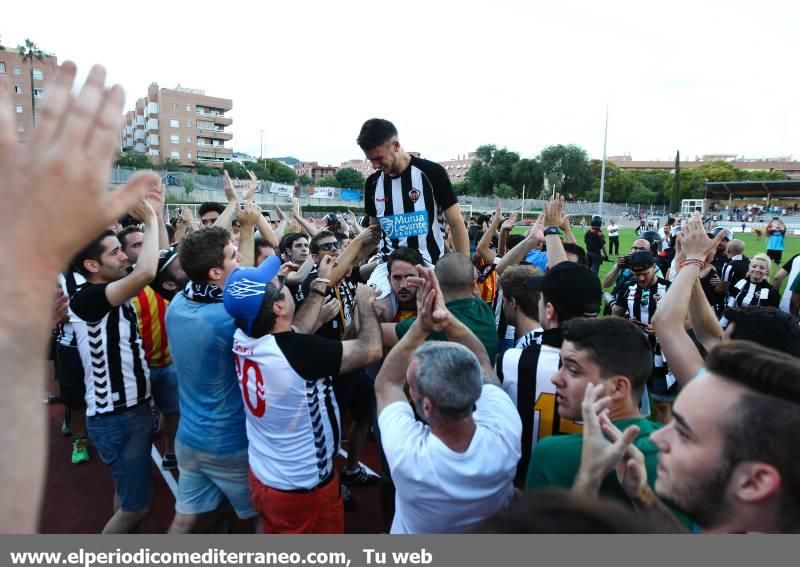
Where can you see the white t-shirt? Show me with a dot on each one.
(613, 230)
(439, 490)
(292, 416)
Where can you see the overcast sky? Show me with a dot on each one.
(702, 77)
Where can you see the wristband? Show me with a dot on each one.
(326, 281)
(552, 230)
(322, 293)
(693, 262)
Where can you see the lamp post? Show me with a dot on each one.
(262, 145)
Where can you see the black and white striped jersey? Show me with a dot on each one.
(746, 292)
(70, 282)
(115, 370)
(526, 377)
(410, 208)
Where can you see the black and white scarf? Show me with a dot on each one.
(203, 292)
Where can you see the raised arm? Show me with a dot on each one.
(308, 227)
(457, 229)
(360, 246)
(72, 149)
(483, 248)
(155, 199)
(224, 220)
(144, 271)
(669, 321)
(307, 315)
(518, 253)
(366, 348)
(248, 218)
(553, 213)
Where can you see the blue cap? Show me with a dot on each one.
(245, 289)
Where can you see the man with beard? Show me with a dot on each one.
(401, 304)
(116, 374)
(729, 457)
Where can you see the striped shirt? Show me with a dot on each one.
(70, 283)
(410, 207)
(641, 304)
(746, 292)
(115, 370)
(151, 309)
(526, 376)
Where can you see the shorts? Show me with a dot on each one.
(775, 255)
(123, 441)
(355, 391)
(316, 511)
(69, 374)
(164, 389)
(205, 478)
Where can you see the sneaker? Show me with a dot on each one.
(80, 451)
(359, 477)
(66, 430)
(169, 462)
(347, 497)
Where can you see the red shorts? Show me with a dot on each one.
(316, 511)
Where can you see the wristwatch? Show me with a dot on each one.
(552, 230)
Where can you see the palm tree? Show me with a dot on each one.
(29, 52)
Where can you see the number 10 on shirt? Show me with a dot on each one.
(244, 373)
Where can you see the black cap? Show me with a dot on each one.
(573, 289)
(165, 258)
(641, 260)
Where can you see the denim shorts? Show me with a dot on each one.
(205, 478)
(164, 388)
(123, 441)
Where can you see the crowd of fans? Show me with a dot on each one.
(506, 390)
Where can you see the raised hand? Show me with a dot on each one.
(553, 211)
(230, 191)
(249, 215)
(251, 187)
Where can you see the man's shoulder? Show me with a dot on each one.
(372, 179)
(555, 448)
(426, 165)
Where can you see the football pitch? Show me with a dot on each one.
(627, 235)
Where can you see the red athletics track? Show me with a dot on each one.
(79, 498)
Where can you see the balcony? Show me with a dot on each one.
(215, 134)
(216, 118)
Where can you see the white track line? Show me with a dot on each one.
(168, 478)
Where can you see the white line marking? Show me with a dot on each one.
(168, 478)
(343, 453)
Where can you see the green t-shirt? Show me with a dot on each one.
(556, 460)
(476, 315)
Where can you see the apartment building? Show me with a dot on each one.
(181, 124)
(314, 170)
(29, 82)
(457, 168)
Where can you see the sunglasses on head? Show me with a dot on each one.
(328, 246)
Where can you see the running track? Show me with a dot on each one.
(79, 498)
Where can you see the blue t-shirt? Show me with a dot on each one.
(776, 240)
(212, 412)
(538, 259)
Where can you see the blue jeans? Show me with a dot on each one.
(164, 388)
(123, 441)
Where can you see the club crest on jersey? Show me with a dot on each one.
(414, 194)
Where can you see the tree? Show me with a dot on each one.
(235, 170)
(479, 179)
(327, 181)
(505, 191)
(133, 160)
(642, 196)
(568, 168)
(203, 169)
(305, 180)
(350, 178)
(528, 172)
(188, 183)
(493, 167)
(171, 165)
(29, 52)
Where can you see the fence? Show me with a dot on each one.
(210, 188)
